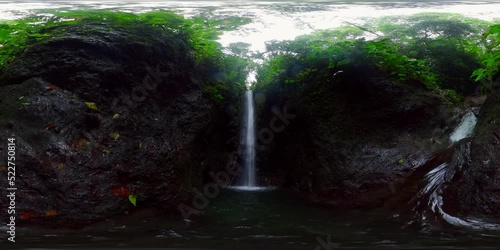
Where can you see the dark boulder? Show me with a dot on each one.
(354, 137)
(475, 190)
(100, 115)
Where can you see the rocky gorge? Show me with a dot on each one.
(114, 115)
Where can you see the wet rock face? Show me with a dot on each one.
(477, 188)
(99, 116)
(366, 135)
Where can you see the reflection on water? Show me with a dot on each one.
(271, 219)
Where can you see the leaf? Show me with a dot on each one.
(401, 161)
(116, 116)
(116, 136)
(489, 62)
(494, 29)
(25, 215)
(22, 97)
(120, 191)
(51, 212)
(26, 103)
(91, 105)
(51, 87)
(133, 199)
(49, 126)
(479, 74)
(106, 151)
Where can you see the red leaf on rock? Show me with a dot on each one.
(51, 87)
(120, 191)
(51, 212)
(49, 127)
(25, 215)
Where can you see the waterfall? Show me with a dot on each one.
(440, 176)
(437, 180)
(249, 141)
(465, 128)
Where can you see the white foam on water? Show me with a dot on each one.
(465, 128)
(247, 188)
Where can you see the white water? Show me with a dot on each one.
(465, 128)
(438, 178)
(249, 142)
(247, 188)
(436, 183)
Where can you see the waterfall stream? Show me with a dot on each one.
(249, 142)
(439, 177)
(465, 128)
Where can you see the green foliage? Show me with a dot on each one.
(293, 61)
(439, 51)
(448, 43)
(133, 199)
(225, 75)
(490, 56)
(199, 33)
(453, 97)
(227, 81)
(387, 56)
(15, 35)
(215, 92)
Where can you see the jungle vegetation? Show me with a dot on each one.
(446, 53)
(227, 73)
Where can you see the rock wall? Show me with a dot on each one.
(99, 115)
(354, 138)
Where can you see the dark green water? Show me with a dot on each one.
(270, 219)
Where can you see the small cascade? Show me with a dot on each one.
(465, 128)
(249, 142)
(437, 180)
(430, 198)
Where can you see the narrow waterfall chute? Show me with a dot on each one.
(249, 142)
